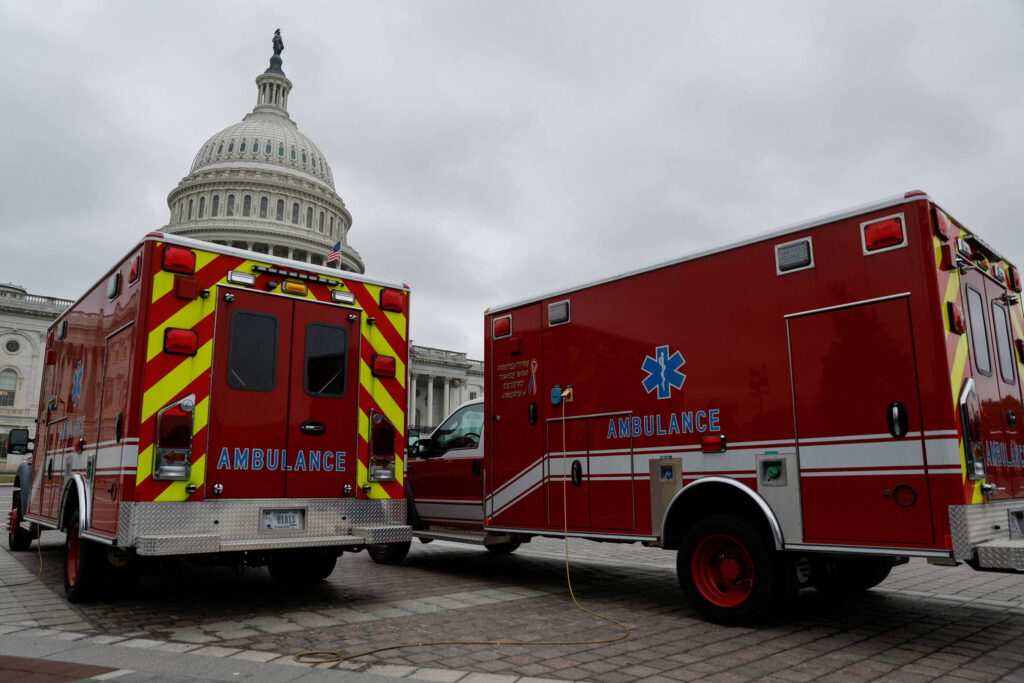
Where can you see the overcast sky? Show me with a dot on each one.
(489, 151)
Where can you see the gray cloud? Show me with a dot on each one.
(489, 151)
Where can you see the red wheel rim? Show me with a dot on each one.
(722, 570)
(12, 525)
(74, 553)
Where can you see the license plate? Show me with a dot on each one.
(277, 520)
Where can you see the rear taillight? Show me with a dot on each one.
(970, 423)
(383, 366)
(957, 322)
(173, 447)
(382, 448)
(883, 234)
(181, 342)
(178, 260)
(392, 300)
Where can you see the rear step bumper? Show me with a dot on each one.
(238, 525)
(989, 535)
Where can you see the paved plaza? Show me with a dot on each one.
(923, 623)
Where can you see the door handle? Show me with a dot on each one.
(896, 416)
(1011, 418)
(312, 428)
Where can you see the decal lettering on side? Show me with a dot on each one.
(271, 459)
(689, 422)
(998, 454)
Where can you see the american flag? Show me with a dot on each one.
(335, 254)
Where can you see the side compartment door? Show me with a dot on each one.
(106, 466)
(567, 473)
(519, 398)
(447, 485)
(323, 429)
(860, 446)
(248, 421)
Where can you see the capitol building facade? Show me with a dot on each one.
(260, 185)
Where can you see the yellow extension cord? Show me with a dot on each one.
(331, 656)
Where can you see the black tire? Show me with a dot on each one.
(506, 548)
(730, 573)
(17, 538)
(388, 553)
(848, 576)
(82, 564)
(302, 567)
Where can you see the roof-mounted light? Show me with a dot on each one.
(1015, 283)
(236, 277)
(296, 275)
(883, 234)
(501, 327)
(392, 300)
(178, 260)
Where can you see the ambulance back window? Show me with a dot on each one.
(979, 335)
(1001, 324)
(252, 351)
(325, 359)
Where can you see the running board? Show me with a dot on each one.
(1004, 554)
(462, 536)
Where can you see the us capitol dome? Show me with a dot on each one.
(262, 185)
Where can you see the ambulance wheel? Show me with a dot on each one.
(728, 571)
(81, 564)
(506, 548)
(388, 553)
(17, 538)
(850, 575)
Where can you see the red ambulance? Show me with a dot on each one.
(218, 404)
(806, 408)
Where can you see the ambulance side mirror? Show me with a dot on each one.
(425, 448)
(18, 441)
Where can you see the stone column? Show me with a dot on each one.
(410, 385)
(430, 401)
(447, 395)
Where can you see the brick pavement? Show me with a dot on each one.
(923, 623)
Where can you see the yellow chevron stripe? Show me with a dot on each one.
(177, 379)
(144, 468)
(391, 410)
(959, 363)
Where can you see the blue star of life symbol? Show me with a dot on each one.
(76, 389)
(663, 372)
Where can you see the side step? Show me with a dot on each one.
(470, 536)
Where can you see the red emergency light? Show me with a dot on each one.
(133, 272)
(943, 228)
(884, 233)
(502, 327)
(948, 252)
(392, 300)
(957, 322)
(1015, 278)
(383, 366)
(181, 342)
(178, 260)
(713, 444)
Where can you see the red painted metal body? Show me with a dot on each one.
(839, 369)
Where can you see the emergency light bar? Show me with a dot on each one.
(296, 274)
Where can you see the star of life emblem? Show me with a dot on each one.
(663, 372)
(76, 389)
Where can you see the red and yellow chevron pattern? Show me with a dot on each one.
(168, 378)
